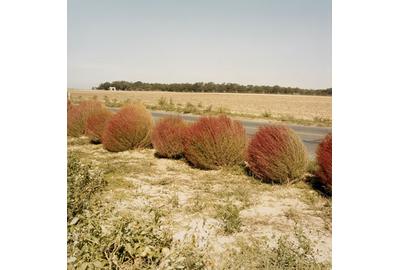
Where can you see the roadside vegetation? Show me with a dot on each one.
(79, 114)
(131, 208)
(168, 137)
(96, 123)
(277, 154)
(324, 158)
(169, 105)
(129, 128)
(215, 142)
(200, 109)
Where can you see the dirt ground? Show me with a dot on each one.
(193, 201)
(298, 106)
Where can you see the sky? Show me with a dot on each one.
(259, 42)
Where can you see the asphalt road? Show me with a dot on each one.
(311, 136)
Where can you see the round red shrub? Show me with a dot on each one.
(168, 135)
(324, 159)
(78, 115)
(129, 128)
(96, 123)
(276, 154)
(69, 104)
(213, 142)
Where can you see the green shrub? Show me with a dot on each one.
(190, 108)
(164, 105)
(82, 184)
(229, 215)
(162, 101)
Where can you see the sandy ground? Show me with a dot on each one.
(188, 199)
(298, 106)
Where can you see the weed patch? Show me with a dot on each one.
(258, 254)
(229, 215)
(83, 183)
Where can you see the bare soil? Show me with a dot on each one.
(188, 200)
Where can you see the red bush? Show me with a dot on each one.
(168, 136)
(213, 142)
(129, 128)
(324, 159)
(276, 154)
(69, 104)
(78, 115)
(96, 123)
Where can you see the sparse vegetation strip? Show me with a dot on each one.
(299, 111)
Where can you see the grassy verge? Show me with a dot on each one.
(200, 109)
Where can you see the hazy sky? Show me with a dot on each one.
(265, 42)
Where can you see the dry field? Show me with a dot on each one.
(301, 107)
(227, 217)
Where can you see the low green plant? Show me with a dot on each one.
(229, 215)
(222, 110)
(98, 240)
(83, 182)
(190, 108)
(164, 105)
(322, 120)
(133, 244)
(208, 109)
(188, 255)
(266, 114)
(197, 204)
(286, 254)
(128, 243)
(174, 200)
(162, 101)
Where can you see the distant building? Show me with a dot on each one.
(112, 88)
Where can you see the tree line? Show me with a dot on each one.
(210, 87)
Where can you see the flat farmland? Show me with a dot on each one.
(297, 106)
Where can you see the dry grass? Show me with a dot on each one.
(300, 107)
(213, 209)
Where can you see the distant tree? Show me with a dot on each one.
(104, 86)
(211, 87)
